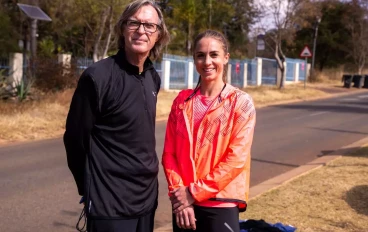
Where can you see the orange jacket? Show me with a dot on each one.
(218, 167)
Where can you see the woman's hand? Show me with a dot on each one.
(180, 199)
(185, 219)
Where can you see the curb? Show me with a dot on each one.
(278, 181)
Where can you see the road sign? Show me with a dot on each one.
(260, 42)
(306, 52)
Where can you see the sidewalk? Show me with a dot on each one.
(278, 181)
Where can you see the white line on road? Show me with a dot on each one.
(349, 99)
(364, 96)
(318, 113)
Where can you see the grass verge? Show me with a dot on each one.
(331, 198)
(45, 118)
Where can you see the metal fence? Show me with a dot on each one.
(4, 66)
(179, 70)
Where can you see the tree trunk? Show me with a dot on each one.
(189, 39)
(96, 50)
(360, 68)
(280, 65)
(109, 34)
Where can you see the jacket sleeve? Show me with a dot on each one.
(234, 161)
(169, 160)
(79, 124)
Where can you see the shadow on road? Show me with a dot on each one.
(336, 130)
(60, 224)
(69, 213)
(357, 198)
(351, 151)
(356, 103)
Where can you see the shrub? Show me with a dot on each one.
(52, 76)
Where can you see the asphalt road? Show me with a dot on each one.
(38, 192)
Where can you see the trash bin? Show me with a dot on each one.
(358, 81)
(347, 79)
(365, 82)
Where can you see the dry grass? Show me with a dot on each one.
(332, 198)
(164, 102)
(30, 120)
(268, 95)
(45, 118)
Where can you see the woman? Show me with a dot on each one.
(209, 134)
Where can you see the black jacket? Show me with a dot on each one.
(110, 138)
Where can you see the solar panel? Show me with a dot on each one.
(34, 12)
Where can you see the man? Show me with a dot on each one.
(110, 129)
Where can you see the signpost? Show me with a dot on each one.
(260, 43)
(306, 53)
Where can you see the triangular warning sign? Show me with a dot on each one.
(306, 52)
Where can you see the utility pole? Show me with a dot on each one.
(210, 16)
(315, 43)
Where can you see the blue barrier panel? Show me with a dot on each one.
(195, 76)
(290, 70)
(157, 66)
(269, 72)
(237, 70)
(302, 69)
(178, 74)
(251, 72)
(83, 63)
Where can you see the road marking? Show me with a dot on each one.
(364, 96)
(349, 99)
(304, 116)
(318, 113)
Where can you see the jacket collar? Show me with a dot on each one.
(128, 67)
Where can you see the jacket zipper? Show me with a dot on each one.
(144, 95)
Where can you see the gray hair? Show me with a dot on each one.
(131, 9)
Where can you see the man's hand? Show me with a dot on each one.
(185, 219)
(181, 198)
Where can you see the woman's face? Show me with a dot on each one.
(210, 58)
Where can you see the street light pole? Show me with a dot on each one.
(314, 43)
(210, 16)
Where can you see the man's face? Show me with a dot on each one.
(140, 40)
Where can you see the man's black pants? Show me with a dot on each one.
(142, 224)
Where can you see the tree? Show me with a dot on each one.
(8, 35)
(357, 24)
(98, 17)
(187, 18)
(238, 26)
(285, 23)
(183, 22)
(83, 27)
